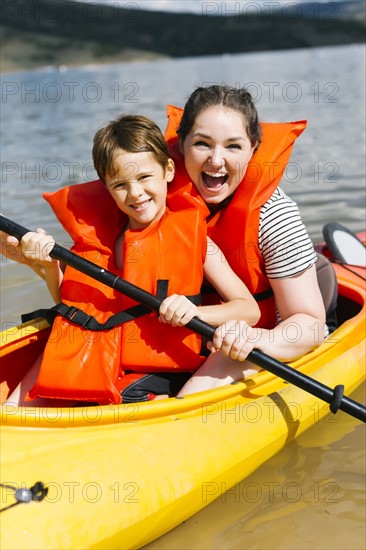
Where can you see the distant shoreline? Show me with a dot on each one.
(39, 33)
(23, 51)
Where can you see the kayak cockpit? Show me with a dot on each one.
(21, 345)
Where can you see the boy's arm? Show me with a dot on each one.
(237, 304)
(54, 277)
(12, 249)
(35, 247)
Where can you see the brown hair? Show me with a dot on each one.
(132, 133)
(238, 99)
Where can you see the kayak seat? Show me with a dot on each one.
(328, 285)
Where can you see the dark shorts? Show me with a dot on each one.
(135, 387)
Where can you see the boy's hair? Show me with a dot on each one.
(132, 133)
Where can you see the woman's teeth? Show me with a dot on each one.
(213, 180)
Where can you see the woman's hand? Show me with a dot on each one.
(235, 339)
(177, 310)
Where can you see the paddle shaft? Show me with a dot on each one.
(257, 357)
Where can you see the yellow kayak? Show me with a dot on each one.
(121, 476)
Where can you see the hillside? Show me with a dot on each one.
(43, 32)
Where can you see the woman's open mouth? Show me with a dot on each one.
(214, 181)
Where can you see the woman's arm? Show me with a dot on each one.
(289, 259)
(300, 305)
(301, 330)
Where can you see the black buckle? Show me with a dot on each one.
(79, 317)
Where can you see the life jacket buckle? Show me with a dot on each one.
(71, 312)
(79, 317)
(87, 320)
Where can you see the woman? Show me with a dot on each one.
(223, 164)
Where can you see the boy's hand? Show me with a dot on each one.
(235, 339)
(11, 248)
(177, 310)
(36, 246)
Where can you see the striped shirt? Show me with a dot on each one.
(283, 240)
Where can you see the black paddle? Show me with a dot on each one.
(335, 397)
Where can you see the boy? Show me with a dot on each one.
(122, 223)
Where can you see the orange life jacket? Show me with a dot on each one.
(84, 365)
(234, 228)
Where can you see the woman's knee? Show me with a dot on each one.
(227, 370)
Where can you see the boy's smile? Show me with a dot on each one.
(141, 206)
(138, 184)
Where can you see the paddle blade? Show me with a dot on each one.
(344, 245)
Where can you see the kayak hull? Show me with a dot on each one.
(121, 476)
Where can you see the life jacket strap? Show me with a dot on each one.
(82, 319)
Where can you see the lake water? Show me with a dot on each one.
(311, 495)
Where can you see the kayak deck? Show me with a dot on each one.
(120, 476)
